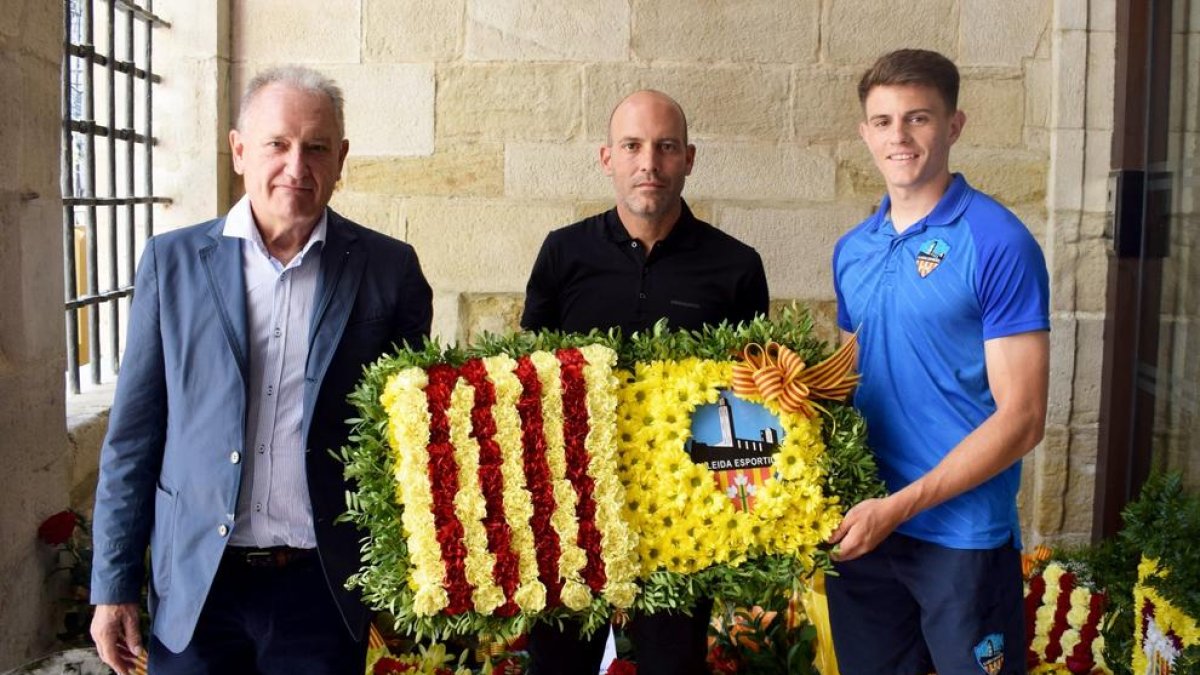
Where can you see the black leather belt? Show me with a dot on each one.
(275, 558)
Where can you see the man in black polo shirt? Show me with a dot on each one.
(647, 259)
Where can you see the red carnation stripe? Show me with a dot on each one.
(506, 571)
(1033, 600)
(1147, 614)
(537, 479)
(575, 431)
(443, 481)
(1065, 584)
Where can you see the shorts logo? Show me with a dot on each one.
(989, 653)
(931, 255)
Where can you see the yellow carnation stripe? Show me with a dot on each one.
(617, 542)
(572, 558)
(408, 426)
(530, 595)
(469, 503)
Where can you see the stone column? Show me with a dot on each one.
(32, 336)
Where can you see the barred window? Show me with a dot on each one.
(107, 173)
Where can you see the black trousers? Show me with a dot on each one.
(666, 644)
(922, 607)
(266, 621)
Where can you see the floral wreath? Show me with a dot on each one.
(1164, 631)
(541, 476)
(1064, 614)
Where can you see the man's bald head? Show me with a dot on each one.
(648, 158)
(647, 98)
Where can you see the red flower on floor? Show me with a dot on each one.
(519, 644)
(621, 667)
(509, 665)
(57, 529)
(722, 662)
(389, 666)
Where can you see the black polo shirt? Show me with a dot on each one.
(594, 275)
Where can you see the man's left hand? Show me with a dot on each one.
(866, 525)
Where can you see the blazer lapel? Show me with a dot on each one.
(337, 286)
(222, 260)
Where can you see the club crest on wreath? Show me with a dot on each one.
(737, 440)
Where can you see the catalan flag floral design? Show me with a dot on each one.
(544, 476)
(506, 471)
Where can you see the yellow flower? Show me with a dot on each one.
(576, 595)
(1068, 640)
(1081, 599)
(530, 596)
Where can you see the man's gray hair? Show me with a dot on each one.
(298, 77)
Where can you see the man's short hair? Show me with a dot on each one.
(913, 67)
(297, 77)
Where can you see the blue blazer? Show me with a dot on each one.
(168, 476)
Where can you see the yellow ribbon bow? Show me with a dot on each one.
(773, 371)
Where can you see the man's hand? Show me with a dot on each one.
(117, 636)
(866, 525)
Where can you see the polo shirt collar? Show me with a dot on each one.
(947, 211)
(682, 235)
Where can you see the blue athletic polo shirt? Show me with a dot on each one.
(924, 302)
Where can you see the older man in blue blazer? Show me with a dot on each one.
(245, 336)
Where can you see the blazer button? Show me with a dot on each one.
(223, 530)
(235, 457)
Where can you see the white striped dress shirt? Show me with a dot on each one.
(273, 504)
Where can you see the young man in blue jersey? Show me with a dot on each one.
(948, 293)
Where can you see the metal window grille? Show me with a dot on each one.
(107, 172)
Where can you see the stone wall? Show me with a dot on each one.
(475, 125)
(32, 428)
(1177, 427)
(1059, 482)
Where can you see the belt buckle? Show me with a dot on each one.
(260, 558)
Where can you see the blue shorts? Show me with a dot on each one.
(911, 607)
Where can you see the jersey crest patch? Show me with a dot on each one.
(989, 653)
(931, 255)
